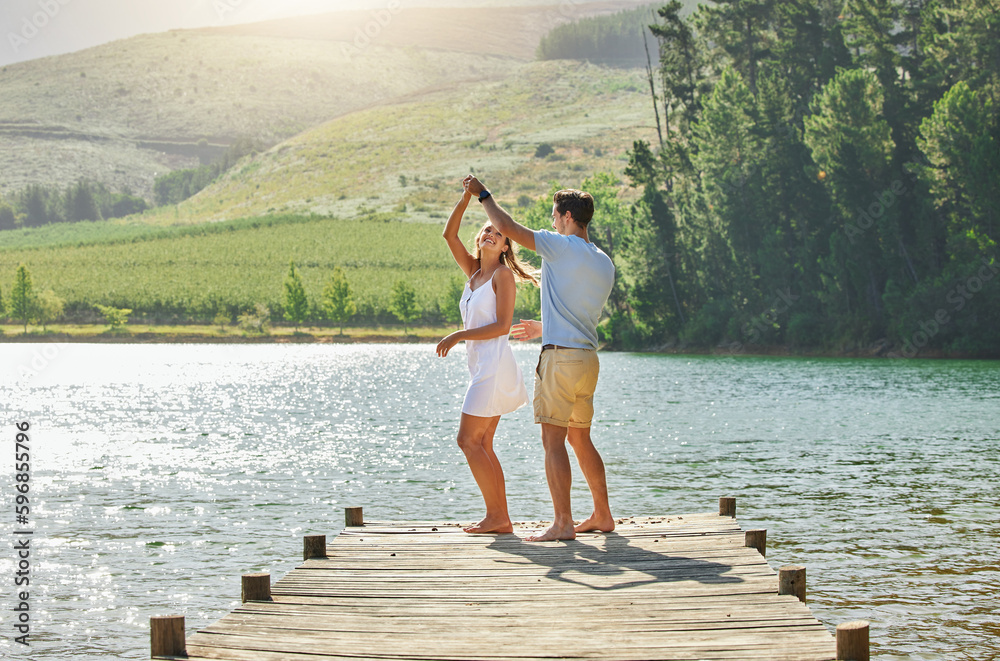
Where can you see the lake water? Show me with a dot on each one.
(161, 473)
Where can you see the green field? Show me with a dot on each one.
(197, 271)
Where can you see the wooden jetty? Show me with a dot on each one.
(692, 586)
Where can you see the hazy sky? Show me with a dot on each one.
(36, 28)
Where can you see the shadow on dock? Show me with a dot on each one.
(612, 556)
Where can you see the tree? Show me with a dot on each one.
(35, 203)
(49, 307)
(116, 318)
(296, 303)
(852, 144)
(22, 297)
(728, 151)
(403, 303)
(338, 300)
(80, 203)
(680, 63)
(7, 218)
(256, 320)
(452, 301)
(743, 29)
(221, 320)
(960, 142)
(961, 39)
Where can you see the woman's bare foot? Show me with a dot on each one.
(490, 525)
(554, 533)
(597, 523)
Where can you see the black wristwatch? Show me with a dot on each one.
(483, 194)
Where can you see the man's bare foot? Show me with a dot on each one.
(554, 533)
(597, 523)
(490, 525)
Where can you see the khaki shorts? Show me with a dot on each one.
(565, 380)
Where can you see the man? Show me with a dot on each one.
(576, 281)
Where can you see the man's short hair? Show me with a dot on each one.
(577, 202)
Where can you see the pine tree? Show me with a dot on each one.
(22, 297)
(296, 303)
(743, 29)
(35, 204)
(338, 301)
(728, 152)
(852, 144)
(960, 142)
(7, 218)
(80, 203)
(403, 303)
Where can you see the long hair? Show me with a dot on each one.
(509, 258)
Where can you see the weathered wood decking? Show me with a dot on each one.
(678, 587)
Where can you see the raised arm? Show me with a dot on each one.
(465, 260)
(500, 218)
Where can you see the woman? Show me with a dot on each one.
(497, 387)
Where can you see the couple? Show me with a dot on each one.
(576, 280)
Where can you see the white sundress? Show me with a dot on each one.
(497, 386)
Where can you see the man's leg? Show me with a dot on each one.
(593, 470)
(560, 479)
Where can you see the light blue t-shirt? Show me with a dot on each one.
(576, 281)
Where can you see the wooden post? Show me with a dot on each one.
(256, 587)
(792, 580)
(756, 539)
(313, 546)
(727, 507)
(353, 517)
(166, 636)
(852, 641)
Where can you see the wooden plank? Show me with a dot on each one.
(679, 587)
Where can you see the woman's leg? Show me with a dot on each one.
(475, 437)
(501, 481)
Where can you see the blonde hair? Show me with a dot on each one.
(509, 258)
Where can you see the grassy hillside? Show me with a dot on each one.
(410, 156)
(124, 112)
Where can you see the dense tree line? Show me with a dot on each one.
(38, 205)
(616, 40)
(828, 175)
(177, 186)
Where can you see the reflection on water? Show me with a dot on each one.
(163, 473)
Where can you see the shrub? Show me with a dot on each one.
(116, 318)
(543, 150)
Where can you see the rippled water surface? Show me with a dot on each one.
(160, 474)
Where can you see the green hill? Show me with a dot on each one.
(124, 112)
(410, 156)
